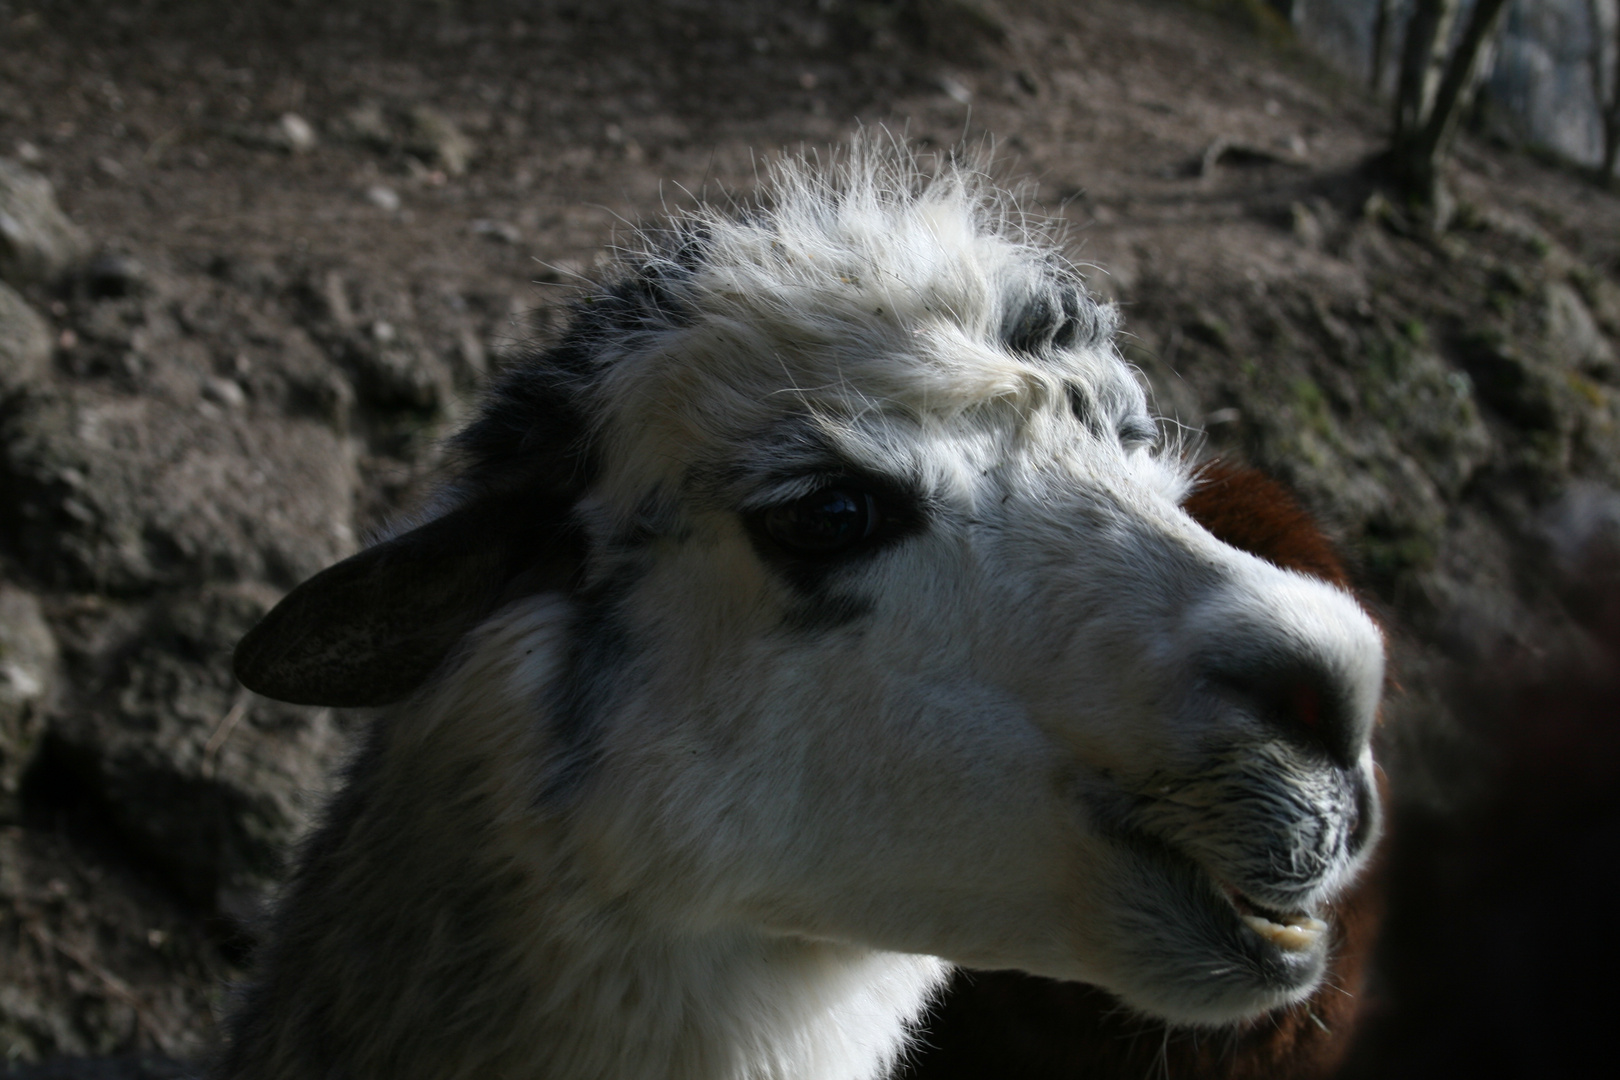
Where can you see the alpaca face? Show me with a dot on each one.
(887, 627)
(967, 682)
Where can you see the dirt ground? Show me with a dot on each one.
(320, 224)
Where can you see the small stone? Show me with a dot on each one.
(956, 90)
(391, 371)
(25, 343)
(1307, 229)
(383, 198)
(501, 231)
(1573, 332)
(334, 293)
(37, 241)
(112, 275)
(27, 669)
(365, 123)
(434, 137)
(226, 392)
(295, 133)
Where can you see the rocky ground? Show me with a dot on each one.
(256, 259)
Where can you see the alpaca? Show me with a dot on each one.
(819, 611)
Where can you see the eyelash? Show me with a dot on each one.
(1135, 433)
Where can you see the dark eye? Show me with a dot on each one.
(829, 521)
(1138, 431)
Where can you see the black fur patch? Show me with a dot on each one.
(1081, 403)
(598, 654)
(535, 424)
(1058, 315)
(536, 434)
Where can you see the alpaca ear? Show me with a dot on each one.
(372, 628)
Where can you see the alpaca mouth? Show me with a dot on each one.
(1207, 952)
(1289, 931)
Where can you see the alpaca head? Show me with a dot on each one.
(874, 614)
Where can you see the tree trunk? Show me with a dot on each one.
(1436, 84)
(1611, 113)
(1606, 85)
(1423, 54)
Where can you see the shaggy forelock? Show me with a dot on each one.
(867, 286)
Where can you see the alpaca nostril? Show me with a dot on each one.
(1304, 703)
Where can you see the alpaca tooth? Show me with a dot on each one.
(1293, 938)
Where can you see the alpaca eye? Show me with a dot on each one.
(826, 522)
(1137, 432)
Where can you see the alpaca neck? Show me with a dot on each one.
(441, 929)
(478, 966)
(731, 1006)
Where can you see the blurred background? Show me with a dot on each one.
(255, 260)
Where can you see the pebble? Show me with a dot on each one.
(383, 197)
(37, 241)
(28, 655)
(113, 274)
(956, 90)
(296, 133)
(501, 231)
(25, 342)
(435, 137)
(226, 392)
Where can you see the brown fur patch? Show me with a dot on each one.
(1254, 513)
